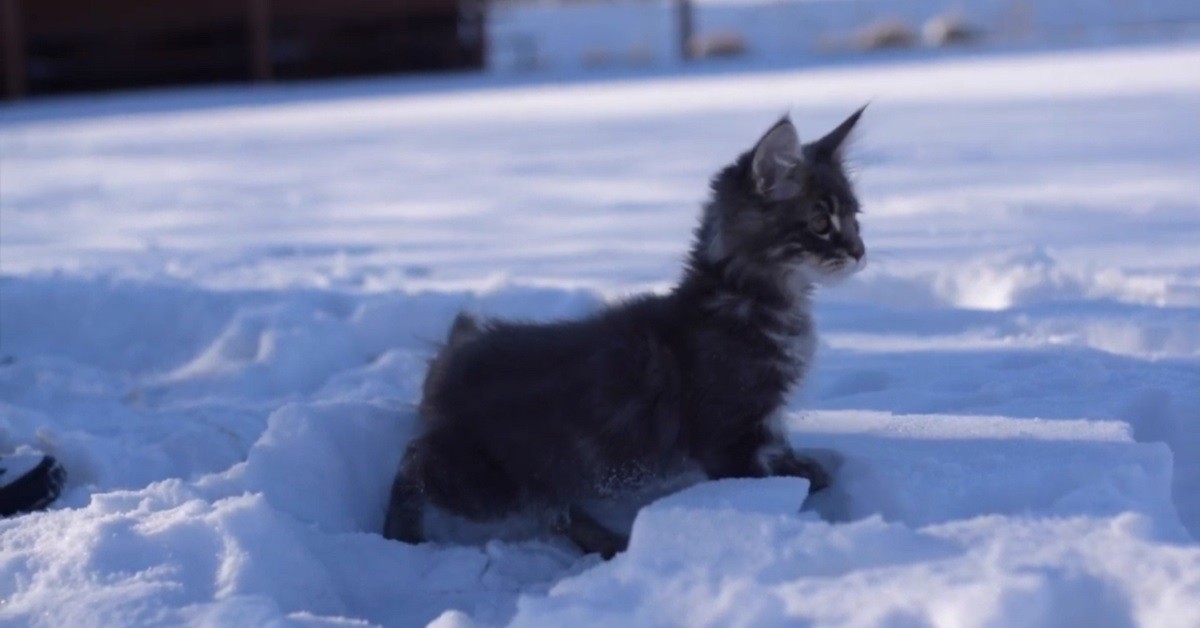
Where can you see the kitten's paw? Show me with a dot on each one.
(590, 535)
(808, 468)
(818, 478)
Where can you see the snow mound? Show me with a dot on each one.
(290, 534)
(749, 568)
(737, 553)
(921, 503)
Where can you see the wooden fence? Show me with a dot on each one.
(55, 46)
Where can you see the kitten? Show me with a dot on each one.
(546, 417)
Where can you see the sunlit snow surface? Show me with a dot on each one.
(216, 307)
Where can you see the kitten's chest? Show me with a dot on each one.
(750, 376)
(784, 342)
(795, 349)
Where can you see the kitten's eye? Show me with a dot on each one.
(819, 224)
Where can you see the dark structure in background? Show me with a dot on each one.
(55, 46)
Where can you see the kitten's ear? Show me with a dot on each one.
(777, 154)
(832, 144)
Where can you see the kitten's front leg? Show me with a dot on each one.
(791, 464)
(762, 456)
(777, 457)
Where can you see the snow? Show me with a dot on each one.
(216, 307)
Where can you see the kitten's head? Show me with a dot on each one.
(786, 208)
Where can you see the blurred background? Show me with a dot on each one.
(61, 46)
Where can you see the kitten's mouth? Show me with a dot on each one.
(838, 270)
(855, 264)
(810, 270)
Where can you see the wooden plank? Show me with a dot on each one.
(260, 40)
(66, 16)
(14, 49)
(361, 9)
(56, 16)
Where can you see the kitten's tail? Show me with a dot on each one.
(464, 328)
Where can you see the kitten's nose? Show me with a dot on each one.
(856, 250)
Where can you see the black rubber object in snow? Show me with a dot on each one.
(29, 482)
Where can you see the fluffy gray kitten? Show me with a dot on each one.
(521, 417)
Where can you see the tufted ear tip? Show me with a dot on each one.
(831, 145)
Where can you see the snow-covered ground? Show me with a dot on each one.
(216, 306)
